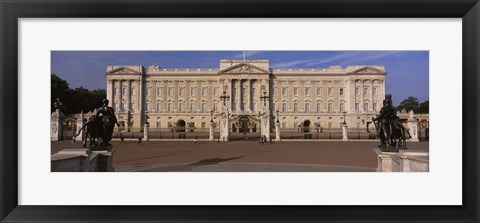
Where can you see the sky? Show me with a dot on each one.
(407, 71)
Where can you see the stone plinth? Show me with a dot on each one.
(402, 161)
(344, 132)
(277, 132)
(210, 138)
(145, 131)
(83, 160)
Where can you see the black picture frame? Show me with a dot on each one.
(11, 11)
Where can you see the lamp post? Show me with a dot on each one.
(264, 98)
(224, 98)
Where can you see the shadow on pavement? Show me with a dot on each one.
(192, 166)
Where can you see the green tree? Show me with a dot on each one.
(423, 108)
(411, 103)
(75, 100)
(59, 89)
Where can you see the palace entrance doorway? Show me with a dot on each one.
(245, 128)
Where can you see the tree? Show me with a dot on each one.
(411, 103)
(75, 100)
(423, 108)
(59, 89)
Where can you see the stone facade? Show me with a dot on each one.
(182, 98)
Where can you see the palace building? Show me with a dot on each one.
(187, 99)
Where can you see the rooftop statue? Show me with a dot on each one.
(389, 127)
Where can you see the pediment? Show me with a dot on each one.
(122, 70)
(368, 70)
(244, 68)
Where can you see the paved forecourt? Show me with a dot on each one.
(243, 156)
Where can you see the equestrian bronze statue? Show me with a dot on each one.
(392, 134)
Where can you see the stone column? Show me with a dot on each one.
(277, 132)
(238, 100)
(80, 123)
(175, 96)
(56, 128)
(187, 96)
(154, 96)
(145, 131)
(110, 90)
(248, 96)
(344, 132)
(120, 97)
(140, 100)
(165, 95)
(129, 94)
(210, 138)
(362, 96)
(413, 127)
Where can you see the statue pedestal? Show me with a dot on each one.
(83, 160)
(402, 160)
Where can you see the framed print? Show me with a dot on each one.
(257, 41)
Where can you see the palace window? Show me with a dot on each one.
(159, 107)
(284, 107)
(192, 106)
(192, 92)
(116, 91)
(342, 109)
(295, 107)
(284, 124)
(319, 91)
(158, 125)
(307, 91)
(284, 91)
(182, 91)
(170, 107)
(357, 107)
(215, 106)
(124, 106)
(374, 91)
(330, 91)
(374, 106)
(148, 107)
(215, 91)
(357, 91)
(307, 107)
(124, 90)
(365, 91)
(170, 91)
(149, 92)
(295, 91)
(204, 91)
(132, 90)
(319, 107)
(365, 106)
(204, 107)
(132, 106)
(330, 107)
(159, 91)
(341, 91)
(182, 107)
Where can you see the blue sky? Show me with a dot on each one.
(407, 71)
